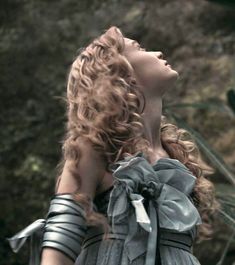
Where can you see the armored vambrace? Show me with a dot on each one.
(63, 229)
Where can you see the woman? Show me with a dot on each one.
(131, 186)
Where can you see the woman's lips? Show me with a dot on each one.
(167, 64)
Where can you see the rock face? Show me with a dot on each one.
(39, 40)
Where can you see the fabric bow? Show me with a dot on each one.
(165, 187)
(35, 232)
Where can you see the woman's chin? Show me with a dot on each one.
(175, 74)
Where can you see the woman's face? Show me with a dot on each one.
(152, 72)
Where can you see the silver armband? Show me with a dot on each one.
(65, 226)
(63, 229)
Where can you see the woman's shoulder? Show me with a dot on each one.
(85, 174)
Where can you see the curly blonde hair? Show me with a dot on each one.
(104, 106)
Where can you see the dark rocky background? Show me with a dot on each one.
(38, 41)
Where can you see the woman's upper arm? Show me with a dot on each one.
(52, 256)
(89, 171)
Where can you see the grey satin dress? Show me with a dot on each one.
(151, 213)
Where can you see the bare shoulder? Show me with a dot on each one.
(85, 175)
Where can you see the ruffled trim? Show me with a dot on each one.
(165, 186)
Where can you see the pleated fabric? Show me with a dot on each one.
(174, 207)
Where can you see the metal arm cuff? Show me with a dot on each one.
(65, 226)
(63, 229)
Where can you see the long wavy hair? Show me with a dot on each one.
(104, 106)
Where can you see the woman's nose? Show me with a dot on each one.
(159, 55)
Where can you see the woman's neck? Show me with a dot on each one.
(152, 128)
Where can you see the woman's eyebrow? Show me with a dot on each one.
(135, 43)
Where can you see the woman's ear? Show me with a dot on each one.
(130, 68)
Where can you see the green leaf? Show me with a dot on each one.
(220, 106)
(224, 2)
(214, 158)
(231, 99)
(225, 251)
(225, 194)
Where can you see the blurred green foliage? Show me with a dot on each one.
(34, 62)
(38, 41)
(224, 2)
